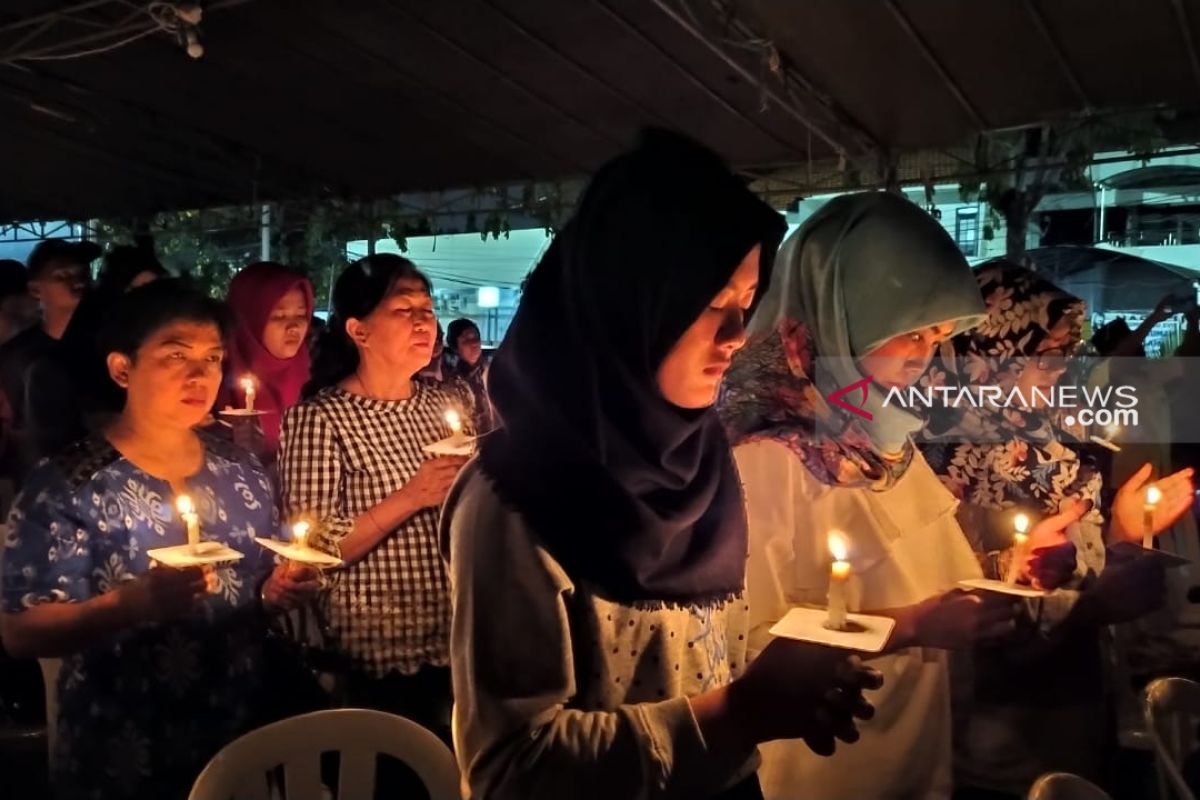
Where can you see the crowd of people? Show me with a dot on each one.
(584, 607)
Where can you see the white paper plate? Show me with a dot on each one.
(181, 555)
(868, 634)
(301, 554)
(1016, 590)
(241, 412)
(452, 446)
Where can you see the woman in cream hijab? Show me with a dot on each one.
(864, 292)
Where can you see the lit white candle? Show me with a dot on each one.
(187, 513)
(249, 386)
(1153, 498)
(300, 533)
(454, 421)
(839, 573)
(1017, 553)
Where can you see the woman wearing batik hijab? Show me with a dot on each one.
(863, 293)
(597, 546)
(1037, 701)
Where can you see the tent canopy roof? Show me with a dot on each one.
(363, 98)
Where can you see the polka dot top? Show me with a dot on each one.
(559, 692)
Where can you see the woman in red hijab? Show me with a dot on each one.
(272, 306)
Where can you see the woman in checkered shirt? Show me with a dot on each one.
(352, 460)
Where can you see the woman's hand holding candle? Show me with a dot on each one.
(1129, 507)
(428, 487)
(1051, 567)
(1049, 556)
(792, 690)
(290, 586)
(161, 594)
(955, 620)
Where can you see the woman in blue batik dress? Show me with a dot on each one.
(161, 666)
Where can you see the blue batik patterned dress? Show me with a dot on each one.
(142, 712)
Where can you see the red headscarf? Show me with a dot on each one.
(253, 293)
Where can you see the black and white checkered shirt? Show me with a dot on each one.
(342, 454)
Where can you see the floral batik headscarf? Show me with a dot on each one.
(1002, 457)
(863, 269)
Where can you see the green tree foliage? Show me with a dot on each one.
(211, 245)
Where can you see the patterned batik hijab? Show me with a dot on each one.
(863, 269)
(1003, 457)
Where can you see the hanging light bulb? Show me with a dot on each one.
(194, 48)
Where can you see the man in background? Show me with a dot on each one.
(59, 273)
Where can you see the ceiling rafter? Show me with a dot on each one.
(504, 77)
(1060, 56)
(578, 66)
(942, 72)
(785, 105)
(689, 76)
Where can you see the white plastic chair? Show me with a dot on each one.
(1065, 786)
(1172, 708)
(240, 770)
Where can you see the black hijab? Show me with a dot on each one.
(632, 495)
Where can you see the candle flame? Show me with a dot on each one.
(300, 532)
(454, 420)
(1112, 430)
(1021, 523)
(1153, 496)
(184, 505)
(837, 545)
(248, 383)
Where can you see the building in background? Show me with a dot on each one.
(1148, 210)
(472, 277)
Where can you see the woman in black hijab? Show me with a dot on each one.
(598, 545)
